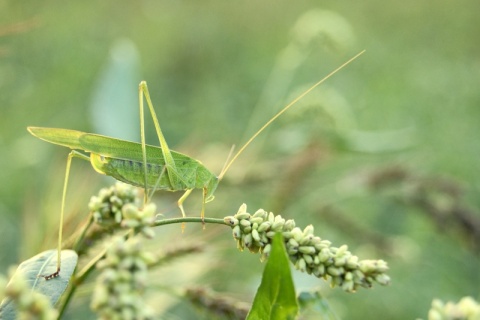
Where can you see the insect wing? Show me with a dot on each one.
(64, 137)
(116, 148)
(126, 150)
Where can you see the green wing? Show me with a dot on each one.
(63, 137)
(105, 146)
(125, 150)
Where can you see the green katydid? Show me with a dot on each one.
(153, 168)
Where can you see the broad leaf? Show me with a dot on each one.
(275, 298)
(32, 270)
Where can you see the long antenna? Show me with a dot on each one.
(225, 169)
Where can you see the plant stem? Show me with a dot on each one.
(162, 222)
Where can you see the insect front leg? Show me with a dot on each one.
(71, 155)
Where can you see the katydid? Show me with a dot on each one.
(151, 167)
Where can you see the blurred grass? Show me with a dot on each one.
(208, 65)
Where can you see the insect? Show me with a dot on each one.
(151, 167)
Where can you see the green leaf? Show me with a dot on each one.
(314, 306)
(275, 298)
(32, 270)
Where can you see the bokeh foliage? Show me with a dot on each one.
(216, 71)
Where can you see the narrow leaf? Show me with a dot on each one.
(32, 271)
(275, 298)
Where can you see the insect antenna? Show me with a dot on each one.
(294, 101)
(227, 161)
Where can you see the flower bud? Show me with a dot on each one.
(271, 217)
(263, 238)
(319, 271)
(256, 220)
(247, 239)
(307, 249)
(324, 255)
(382, 279)
(245, 223)
(237, 233)
(289, 224)
(231, 220)
(292, 251)
(301, 265)
(260, 214)
(348, 286)
(293, 243)
(242, 216)
(307, 239)
(255, 235)
(351, 262)
(297, 234)
(148, 211)
(264, 226)
(242, 209)
(277, 225)
(267, 249)
(270, 234)
(335, 271)
(308, 231)
(308, 259)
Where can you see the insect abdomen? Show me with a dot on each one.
(132, 172)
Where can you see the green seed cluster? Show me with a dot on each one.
(107, 206)
(466, 309)
(120, 205)
(308, 252)
(140, 220)
(29, 303)
(119, 290)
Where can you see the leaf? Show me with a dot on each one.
(275, 298)
(314, 306)
(32, 270)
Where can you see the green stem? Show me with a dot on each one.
(162, 222)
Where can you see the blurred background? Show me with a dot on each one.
(383, 157)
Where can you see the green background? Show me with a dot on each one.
(216, 71)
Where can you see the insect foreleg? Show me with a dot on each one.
(71, 155)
